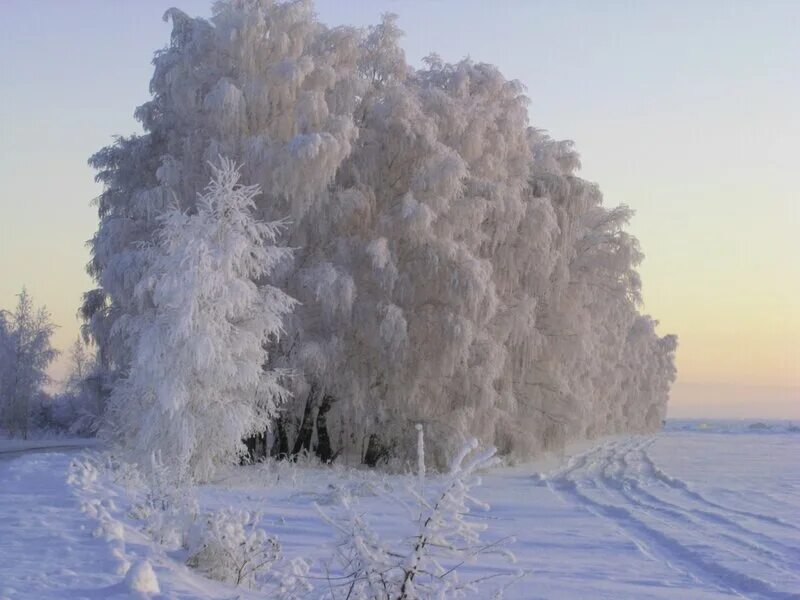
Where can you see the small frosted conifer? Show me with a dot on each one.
(197, 383)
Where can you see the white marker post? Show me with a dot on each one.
(420, 458)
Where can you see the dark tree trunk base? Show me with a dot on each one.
(315, 418)
(323, 449)
(376, 451)
(303, 441)
(256, 448)
(280, 446)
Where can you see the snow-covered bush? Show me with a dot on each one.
(227, 545)
(83, 472)
(167, 505)
(451, 266)
(426, 565)
(196, 384)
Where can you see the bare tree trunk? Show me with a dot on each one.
(303, 441)
(280, 446)
(323, 449)
(376, 451)
(256, 447)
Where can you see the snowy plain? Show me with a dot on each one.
(700, 510)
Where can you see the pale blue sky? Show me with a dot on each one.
(687, 111)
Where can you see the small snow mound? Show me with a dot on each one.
(123, 566)
(114, 531)
(142, 578)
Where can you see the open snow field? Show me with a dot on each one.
(693, 512)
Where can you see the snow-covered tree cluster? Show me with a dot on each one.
(80, 407)
(25, 353)
(27, 404)
(449, 265)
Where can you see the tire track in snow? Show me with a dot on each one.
(681, 486)
(694, 516)
(746, 544)
(600, 481)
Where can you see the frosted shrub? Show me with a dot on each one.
(228, 546)
(425, 565)
(167, 507)
(83, 472)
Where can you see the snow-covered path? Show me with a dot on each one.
(46, 546)
(743, 552)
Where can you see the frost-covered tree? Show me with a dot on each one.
(25, 354)
(451, 267)
(79, 407)
(6, 362)
(5, 337)
(81, 364)
(196, 384)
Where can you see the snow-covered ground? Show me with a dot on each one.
(697, 511)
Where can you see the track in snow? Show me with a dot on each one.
(734, 551)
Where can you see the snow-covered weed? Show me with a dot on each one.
(166, 505)
(227, 545)
(427, 564)
(83, 472)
